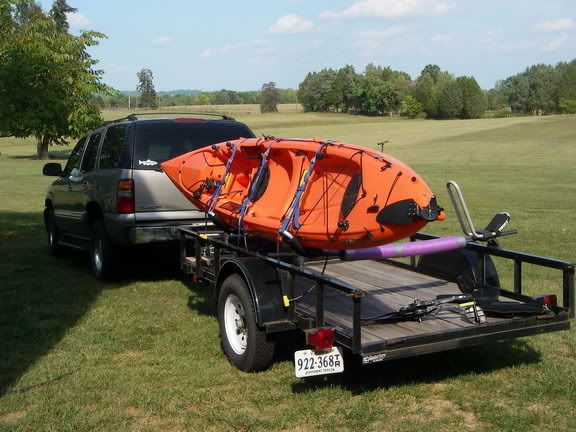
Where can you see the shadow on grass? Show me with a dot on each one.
(58, 155)
(429, 368)
(42, 298)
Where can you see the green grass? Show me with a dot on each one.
(143, 353)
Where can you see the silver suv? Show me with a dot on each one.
(112, 194)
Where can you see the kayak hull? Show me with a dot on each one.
(340, 199)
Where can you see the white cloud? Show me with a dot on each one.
(374, 47)
(290, 23)
(76, 19)
(443, 38)
(555, 43)
(257, 47)
(389, 9)
(377, 34)
(162, 40)
(555, 25)
(490, 36)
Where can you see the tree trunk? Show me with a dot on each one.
(42, 147)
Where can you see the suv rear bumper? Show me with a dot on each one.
(154, 234)
(124, 230)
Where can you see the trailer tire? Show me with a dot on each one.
(244, 343)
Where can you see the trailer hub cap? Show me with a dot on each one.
(235, 324)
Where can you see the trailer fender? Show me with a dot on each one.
(460, 263)
(265, 287)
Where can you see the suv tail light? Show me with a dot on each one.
(125, 197)
(320, 339)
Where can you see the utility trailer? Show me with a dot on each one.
(263, 291)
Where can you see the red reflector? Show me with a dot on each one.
(320, 339)
(189, 120)
(125, 197)
(549, 299)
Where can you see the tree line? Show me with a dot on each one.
(167, 99)
(438, 94)
(540, 89)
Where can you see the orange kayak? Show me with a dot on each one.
(312, 194)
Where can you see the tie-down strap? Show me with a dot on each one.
(293, 213)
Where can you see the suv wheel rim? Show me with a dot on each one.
(51, 236)
(235, 324)
(98, 254)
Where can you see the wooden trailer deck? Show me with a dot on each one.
(388, 289)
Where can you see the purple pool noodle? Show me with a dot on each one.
(425, 247)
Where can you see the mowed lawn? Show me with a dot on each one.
(143, 353)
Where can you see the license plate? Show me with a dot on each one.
(307, 363)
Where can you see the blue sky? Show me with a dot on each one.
(242, 44)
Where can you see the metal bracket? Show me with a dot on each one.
(465, 220)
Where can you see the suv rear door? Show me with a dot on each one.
(78, 189)
(112, 167)
(61, 202)
(157, 199)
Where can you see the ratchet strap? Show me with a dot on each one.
(293, 213)
(222, 181)
(253, 191)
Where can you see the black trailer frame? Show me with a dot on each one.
(193, 244)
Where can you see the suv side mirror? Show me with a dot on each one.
(52, 169)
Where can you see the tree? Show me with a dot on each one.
(313, 92)
(146, 89)
(47, 78)
(58, 14)
(344, 89)
(269, 97)
(410, 107)
(495, 99)
(473, 101)
(433, 70)
(378, 96)
(450, 103)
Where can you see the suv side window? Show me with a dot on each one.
(89, 159)
(112, 147)
(74, 159)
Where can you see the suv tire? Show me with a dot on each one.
(246, 346)
(54, 248)
(102, 253)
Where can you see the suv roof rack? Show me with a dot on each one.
(134, 116)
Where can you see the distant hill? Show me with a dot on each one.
(170, 92)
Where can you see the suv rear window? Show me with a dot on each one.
(157, 142)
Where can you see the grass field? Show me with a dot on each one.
(143, 353)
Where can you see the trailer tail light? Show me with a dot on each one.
(548, 300)
(320, 339)
(125, 197)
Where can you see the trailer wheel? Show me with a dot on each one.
(54, 248)
(245, 345)
(102, 253)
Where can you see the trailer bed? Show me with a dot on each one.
(389, 288)
(289, 293)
